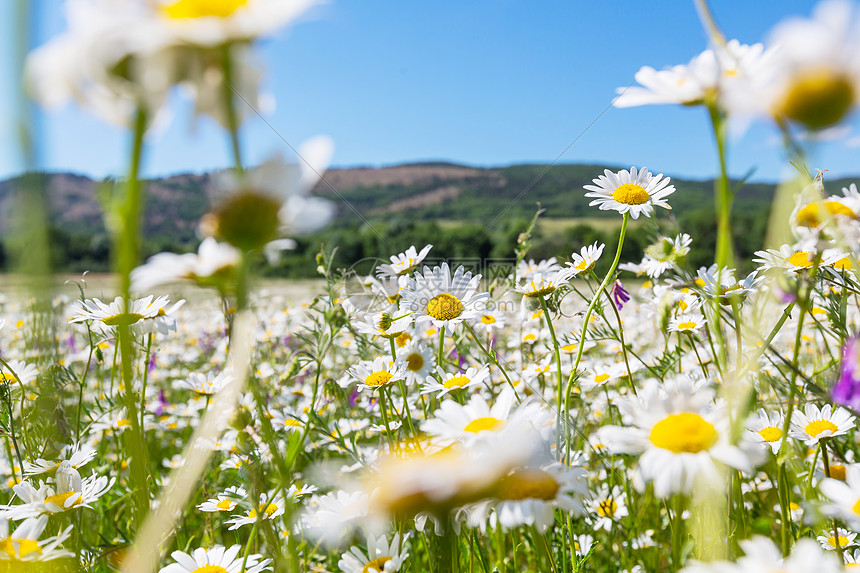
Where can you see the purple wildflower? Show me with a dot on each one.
(847, 390)
(620, 295)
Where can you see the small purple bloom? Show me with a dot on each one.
(353, 397)
(162, 402)
(620, 295)
(847, 390)
(151, 363)
(70, 342)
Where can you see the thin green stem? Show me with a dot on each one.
(584, 333)
(555, 350)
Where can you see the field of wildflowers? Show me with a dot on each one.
(429, 417)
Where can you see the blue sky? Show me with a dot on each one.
(484, 82)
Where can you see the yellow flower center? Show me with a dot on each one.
(376, 566)
(7, 378)
(542, 288)
(60, 499)
(415, 362)
(843, 541)
(601, 378)
(683, 433)
(802, 259)
(837, 471)
(225, 505)
(488, 319)
(459, 382)
(403, 339)
(528, 484)
(210, 569)
(444, 307)
(812, 216)
(122, 318)
(770, 434)
(819, 426)
(123, 422)
(856, 508)
(24, 546)
(183, 9)
(818, 98)
(630, 194)
(488, 424)
(291, 423)
(270, 509)
(607, 508)
(842, 264)
(688, 325)
(378, 379)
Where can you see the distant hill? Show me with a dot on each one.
(390, 197)
(421, 191)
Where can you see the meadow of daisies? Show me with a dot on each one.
(425, 417)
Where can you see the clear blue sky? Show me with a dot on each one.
(485, 82)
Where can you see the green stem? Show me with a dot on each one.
(555, 349)
(128, 251)
(584, 333)
(232, 118)
(722, 192)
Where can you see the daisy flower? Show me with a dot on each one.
(665, 254)
(709, 74)
(680, 432)
(107, 316)
(18, 371)
(473, 376)
(542, 285)
(212, 265)
(584, 261)
(384, 324)
(814, 423)
(794, 259)
(599, 374)
(224, 502)
(331, 518)
(608, 505)
(418, 361)
(766, 428)
(491, 321)
(829, 541)
(268, 508)
(44, 500)
(844, 496)
(721, 284)
(381, 556)
(688, 323)
(444, 300)
(476, 420)
(24, 544)
(404, 263)
(634, 192)
(814, 77)
(257, 206)
(77, 455)
(531, 495)
(526, 270)
(217, 559)
(205, 385)
(378, 373)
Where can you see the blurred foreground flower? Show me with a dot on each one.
(258, 206)
(118, 57)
